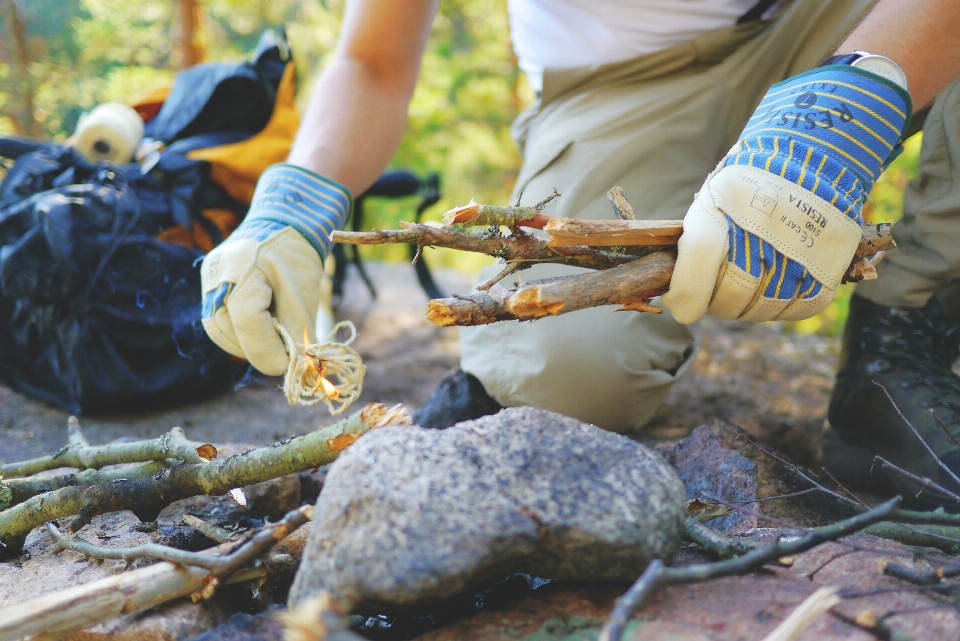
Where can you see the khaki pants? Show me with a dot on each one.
(928, 235)
(657, 125)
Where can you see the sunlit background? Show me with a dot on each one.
(59, 58)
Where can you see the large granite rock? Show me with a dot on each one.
(409, 515)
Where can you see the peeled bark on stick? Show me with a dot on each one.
(631, 285)
(664, 233)
(146, 497)
(477, 215)
(607, 233)
(80, 454)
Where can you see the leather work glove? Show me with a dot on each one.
(775, 226)
(272, 265)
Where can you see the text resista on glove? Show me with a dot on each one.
(798, 223)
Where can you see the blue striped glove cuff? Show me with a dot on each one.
(830, 130)
(292, 196)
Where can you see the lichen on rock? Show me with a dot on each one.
(410, 515)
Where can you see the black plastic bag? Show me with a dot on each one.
(96, 314)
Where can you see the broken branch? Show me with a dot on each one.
(621, 206)
(22, 489)
(652, 580)
(78, 453)
(715, 544)
(87, 605)
(520, 247)
(146, 497)
(629, 285)
(219, 566)
(477, 215)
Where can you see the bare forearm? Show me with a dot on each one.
(920, 36)
(352, 127)
(358, 113)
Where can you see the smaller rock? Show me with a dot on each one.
(409, 515)
(710, 470)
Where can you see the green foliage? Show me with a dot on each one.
(85, 52)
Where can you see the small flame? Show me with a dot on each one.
(328, 388)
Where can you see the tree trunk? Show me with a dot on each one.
(188, 15)
(23, 119)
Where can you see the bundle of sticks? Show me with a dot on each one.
(632, 259)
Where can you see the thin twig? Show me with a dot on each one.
(842, 487)
(626, 605)
(209, 530)
(506, 271)
(799, 472)
(714, 543)
(943, 426)
(543, 203)
(507, 248)
(658, 578)
(922, 480)
(779, 496)
(921, 577)
(220, 567)
(25, 488)
(940, 463)
(876, 627)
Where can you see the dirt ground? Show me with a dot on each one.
(759, 377)
(770, 382)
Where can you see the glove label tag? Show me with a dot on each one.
(796, 222)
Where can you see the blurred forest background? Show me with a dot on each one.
(59, 58)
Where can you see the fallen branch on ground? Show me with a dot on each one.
(22, 489)
(219, 566)
(715, 544)
(146, 497)
(87, 605)
(657, 576)
(80, 454)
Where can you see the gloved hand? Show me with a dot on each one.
(272, 265)
(774, 228)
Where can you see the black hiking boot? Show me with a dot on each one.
(913, 354)
(459, 397)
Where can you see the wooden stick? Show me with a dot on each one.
(651, 580)
(87, 605)
(520, 248)
(80, 454)
(146, 497)
(663, 233)
(621, 206)
(630, 285)
(607, 233)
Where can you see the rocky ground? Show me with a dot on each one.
(756, 377)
